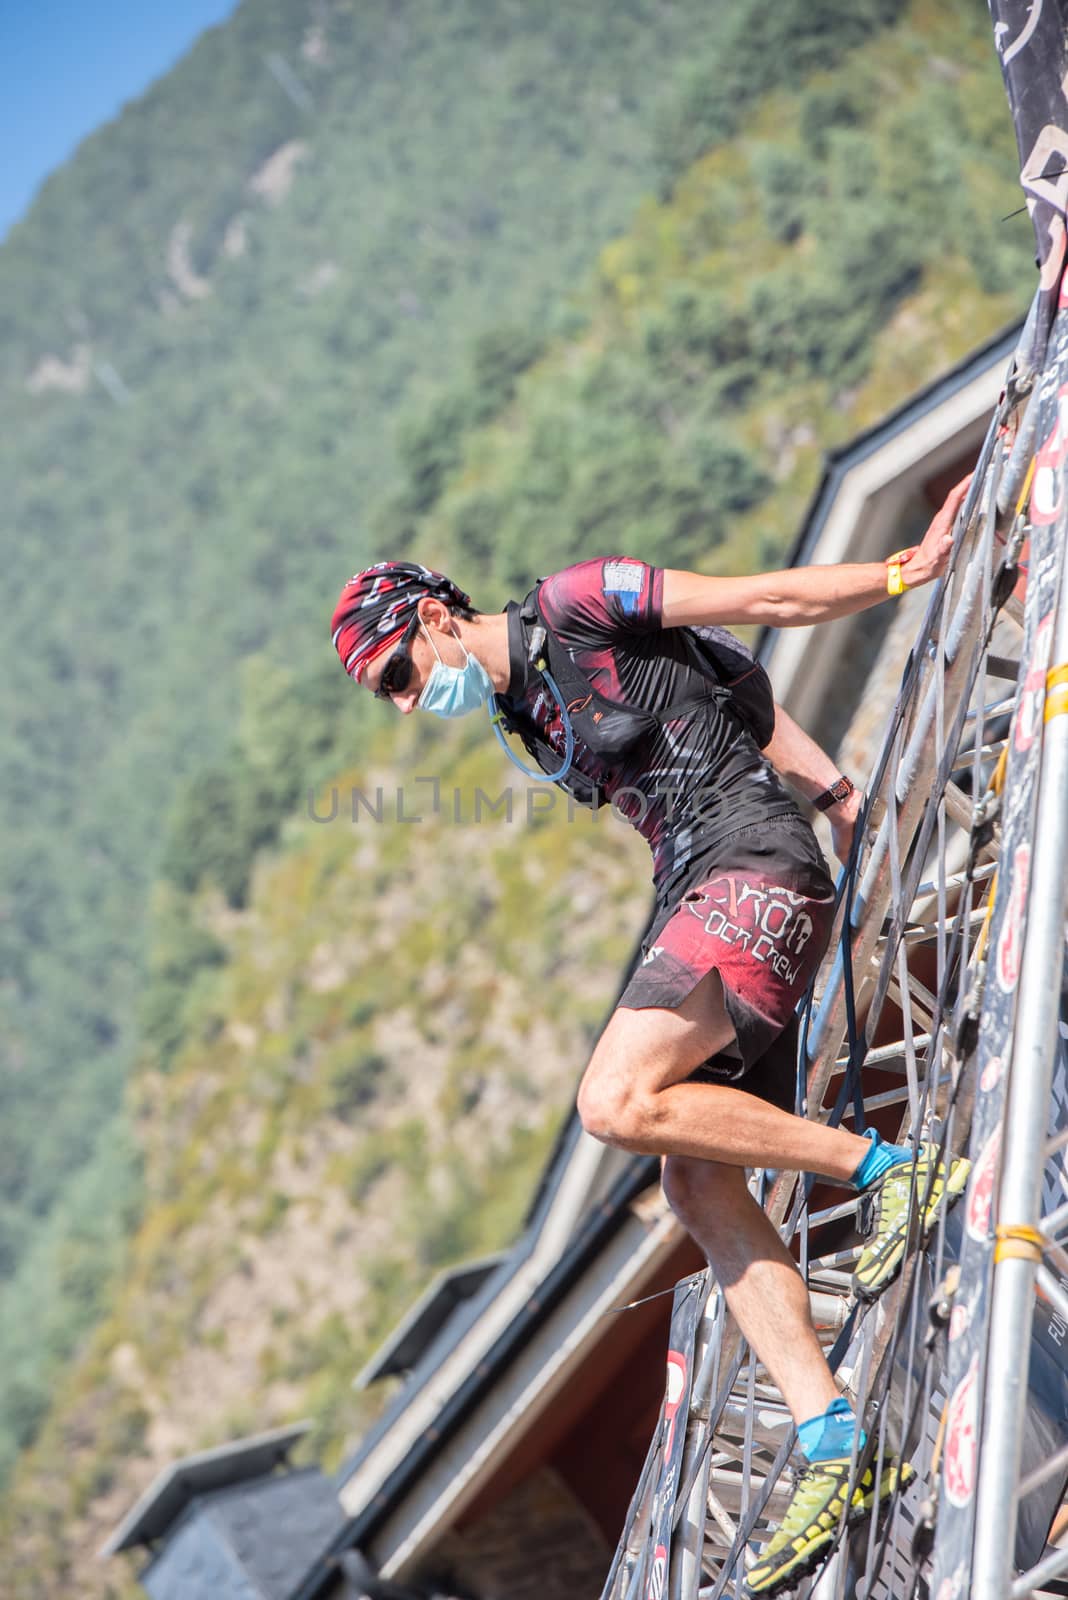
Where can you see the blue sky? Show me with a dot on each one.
(66, 66)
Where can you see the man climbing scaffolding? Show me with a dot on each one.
(624, 686)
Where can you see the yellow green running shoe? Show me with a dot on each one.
(810, 1526)
(891, 1231)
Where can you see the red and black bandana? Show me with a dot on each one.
(376, 606)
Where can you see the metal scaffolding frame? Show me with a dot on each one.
(928, 896)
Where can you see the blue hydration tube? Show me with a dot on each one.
(569, 739)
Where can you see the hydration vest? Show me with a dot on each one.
(608, 730)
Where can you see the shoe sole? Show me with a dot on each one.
(890, 1266)
(806, 1561)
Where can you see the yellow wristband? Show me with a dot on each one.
(895, 580)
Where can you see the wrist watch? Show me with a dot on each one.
(839, 790)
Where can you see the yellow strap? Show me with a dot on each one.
(1056, 692)
(1026, 490)
(984, 931)
(1018, 1241)
(940, 1439)
(996, 784)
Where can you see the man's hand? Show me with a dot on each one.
(843, 820)
(928, 560)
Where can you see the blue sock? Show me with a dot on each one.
(879, 1159)
(829, 1436)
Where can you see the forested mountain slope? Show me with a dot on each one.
(365, 1090)
(216, 324)
(670, 393)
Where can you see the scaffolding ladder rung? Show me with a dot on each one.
(987, 752)
(1003, 667)
(957, 880)
(832, 1213)
(958, 806)
(885, 1053)
(918, 933)
(830, 1277)
(879, 1102)
(919, 999)
(839, 1259)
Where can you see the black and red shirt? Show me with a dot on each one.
(687, 783)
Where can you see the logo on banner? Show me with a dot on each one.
(676, 1388)
(1046, 491)
(992, 1074)
(952, 1587)
(658, 1576)
(1033, 693)
(963, 1312)
(1010, 943)
(981, 1189)
(961, 1440)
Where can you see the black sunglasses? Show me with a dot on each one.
(397, 672)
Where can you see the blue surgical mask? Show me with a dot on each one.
(454, 691)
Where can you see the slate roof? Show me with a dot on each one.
(420, 1325)
(258, 1540)
(171, 1491)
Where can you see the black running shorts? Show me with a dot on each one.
(760, 914)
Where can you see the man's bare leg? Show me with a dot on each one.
(633, 1095)
(763, 1288)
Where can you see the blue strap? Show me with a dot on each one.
(852, 1085)
(852, 1081)
(535, 774)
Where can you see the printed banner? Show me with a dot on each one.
(966, 1353)
(685, 1311)
(1046, 1423)
(1031, 37)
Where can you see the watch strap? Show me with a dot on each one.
(839, 790)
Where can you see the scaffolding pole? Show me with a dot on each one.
(1019, 1247)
